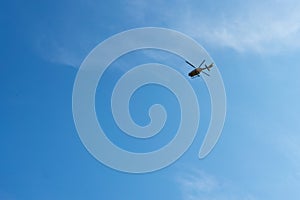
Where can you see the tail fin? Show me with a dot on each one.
(207, 67)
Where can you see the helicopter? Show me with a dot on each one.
(198, 70)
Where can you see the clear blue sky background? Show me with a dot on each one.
(256, 46)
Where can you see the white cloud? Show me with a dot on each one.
(55, 52)
(266, 27)
(197, 184)
(269, 26)
(288, 143)
(255, 26)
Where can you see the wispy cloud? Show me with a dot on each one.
(288, 142)
(255, 26)
(197, 184)
(55, 51)
(264, 27)
(252, 27)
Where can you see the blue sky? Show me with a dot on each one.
(256, 47)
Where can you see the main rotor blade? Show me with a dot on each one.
(206, 73)
(190, 64)
(202, 63)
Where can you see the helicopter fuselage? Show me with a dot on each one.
(195, 72)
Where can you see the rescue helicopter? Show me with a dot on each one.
(198, 70)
